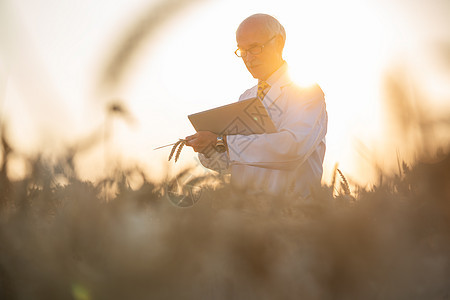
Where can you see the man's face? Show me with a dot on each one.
(261, 65)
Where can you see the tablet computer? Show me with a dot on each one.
(244, 117)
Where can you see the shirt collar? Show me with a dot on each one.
(277, 74)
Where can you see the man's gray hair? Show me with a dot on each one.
(271, 25)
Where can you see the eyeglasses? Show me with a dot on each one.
(253, 50)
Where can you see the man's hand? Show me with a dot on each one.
(202, 141)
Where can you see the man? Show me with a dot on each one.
(290, 160)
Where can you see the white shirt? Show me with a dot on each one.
(289, 160)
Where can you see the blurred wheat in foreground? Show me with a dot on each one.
(64, 242)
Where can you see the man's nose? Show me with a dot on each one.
(249, 56)
(248, 59)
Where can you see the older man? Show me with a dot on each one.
(290, 160)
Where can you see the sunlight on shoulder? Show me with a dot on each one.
(302, 76)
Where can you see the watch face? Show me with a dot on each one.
(221, 148)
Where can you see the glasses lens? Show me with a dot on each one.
(240, 53)
(255, 50)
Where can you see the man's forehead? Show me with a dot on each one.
(252, 34)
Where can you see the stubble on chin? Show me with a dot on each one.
(252, 71)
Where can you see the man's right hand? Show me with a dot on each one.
(202, 141)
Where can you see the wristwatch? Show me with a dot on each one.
(220, 145)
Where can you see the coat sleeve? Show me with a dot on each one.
(302, 129)
(220, 162)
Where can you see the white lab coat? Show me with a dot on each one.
(288, 161)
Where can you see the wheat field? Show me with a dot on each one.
(66, 242)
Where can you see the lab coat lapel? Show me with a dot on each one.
(270, 100)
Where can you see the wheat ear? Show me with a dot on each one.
(179, 150)
(345, 183)
(173, 149)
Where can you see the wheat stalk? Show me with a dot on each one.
(345, 185)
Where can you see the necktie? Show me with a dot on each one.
(262, 87)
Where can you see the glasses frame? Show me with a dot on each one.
(260, 47)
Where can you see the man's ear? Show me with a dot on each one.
(279, 42)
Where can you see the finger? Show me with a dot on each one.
(190, 137)
(190, 142)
